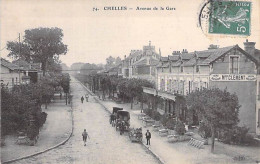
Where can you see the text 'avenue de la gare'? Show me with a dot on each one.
(139, 8)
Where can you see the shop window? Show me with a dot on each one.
(234, 64)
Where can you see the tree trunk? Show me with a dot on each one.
(212, 138)
(142, 106)
(44, 68)
(66, 98)
(132, 100)
(45, 103)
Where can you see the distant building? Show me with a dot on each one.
(32, 71)
(141, 63)
(10, 74)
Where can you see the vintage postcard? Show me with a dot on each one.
(130, 81)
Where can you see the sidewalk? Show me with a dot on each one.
(56, 129)
(181, 152)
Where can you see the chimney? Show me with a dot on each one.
(249, 47)
(176, 52)
(212, 46)
(184, 51)
(150, 43)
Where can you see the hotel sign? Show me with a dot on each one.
(232, 77)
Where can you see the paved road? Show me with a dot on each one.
(105, 146)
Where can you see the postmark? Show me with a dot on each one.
(226, 17)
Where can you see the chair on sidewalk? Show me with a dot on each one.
(156, 128)
(145, 118)
(163, 132)
(196, 143)
(171, 133)
(141, 115)
(22, 138)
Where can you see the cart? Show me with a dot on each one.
(136, 135)
(123, 121)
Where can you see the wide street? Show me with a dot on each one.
(105, 144)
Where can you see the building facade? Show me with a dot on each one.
(19, 72)
(229, 68)
(10, 74)
(141, 63)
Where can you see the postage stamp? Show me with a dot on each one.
(230, 17)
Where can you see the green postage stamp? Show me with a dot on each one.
(230, 17)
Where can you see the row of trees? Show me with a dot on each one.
(127, 89)
(21, 105)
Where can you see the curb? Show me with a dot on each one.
(53, 147)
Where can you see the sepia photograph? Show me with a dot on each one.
(130, 81)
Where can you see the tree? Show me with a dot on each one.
(19, 51)
(65, 84)
(39, 45)
(118, 60)
(217, 108)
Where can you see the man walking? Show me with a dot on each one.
(85, 136)
(86, 96)
(148, 137)
(82, 99)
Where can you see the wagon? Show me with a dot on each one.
(123, 121)
(136, 135)
(113, 116)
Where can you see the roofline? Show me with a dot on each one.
(237, 47)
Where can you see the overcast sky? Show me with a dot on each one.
(92, 36)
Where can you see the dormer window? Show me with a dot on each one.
(181, 68)
(197, 68)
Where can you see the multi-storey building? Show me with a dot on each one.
(141, 63)
(229, 68)
(250, 48)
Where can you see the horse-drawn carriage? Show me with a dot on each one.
(123, 121)
(113, 116)
(136, 135)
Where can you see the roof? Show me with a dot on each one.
(187, 56)
(174, 57)
(8, 64)
(177, 63)
(214, 54)
(27, 66)
(154, 62)
(133, 54)
(164, 59)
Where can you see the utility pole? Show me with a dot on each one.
(19, 58)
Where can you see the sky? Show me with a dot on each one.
(92, 36)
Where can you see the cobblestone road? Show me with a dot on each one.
(105, 146)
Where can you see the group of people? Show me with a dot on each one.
(86, 97)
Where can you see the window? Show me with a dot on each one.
(162, 87)
(197, 68)
(181, 68)
(234, 64)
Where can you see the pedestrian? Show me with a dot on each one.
(85, 136)
(82, 99)
(86, 96)
(148, 137)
